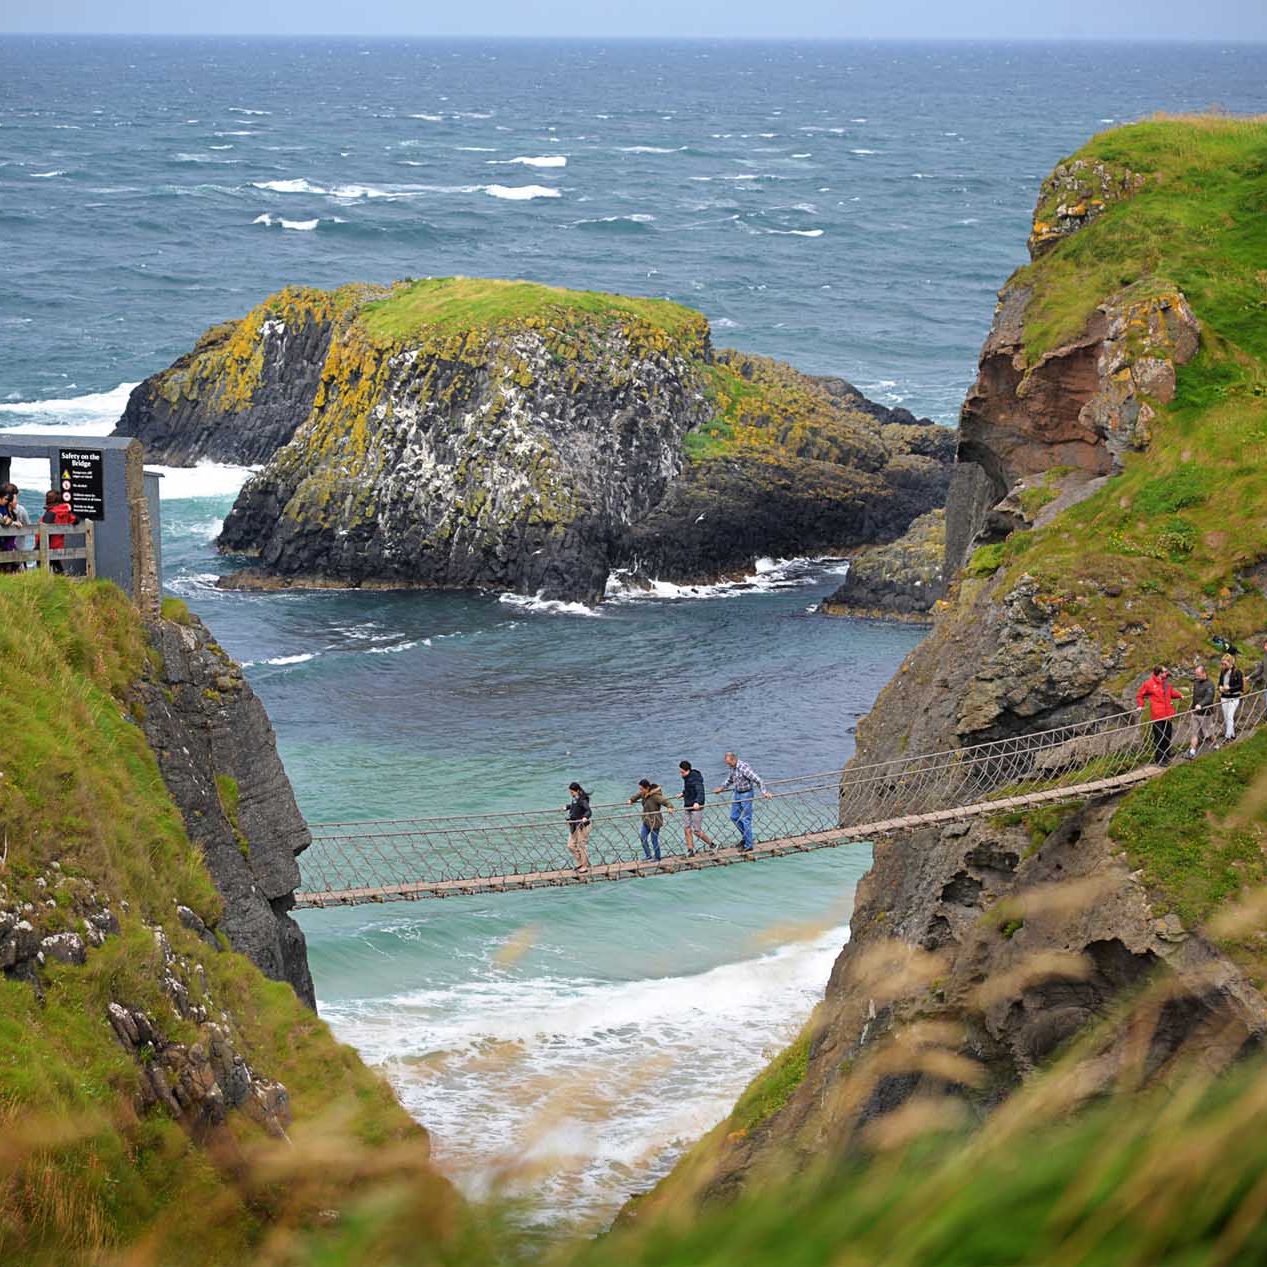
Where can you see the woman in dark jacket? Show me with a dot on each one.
(580, 820)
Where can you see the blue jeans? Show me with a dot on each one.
(741, 815)
(652, 834)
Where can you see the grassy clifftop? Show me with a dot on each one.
(1179, 539)
(91, 835)
(758, 406)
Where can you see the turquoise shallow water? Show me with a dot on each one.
(852, 208)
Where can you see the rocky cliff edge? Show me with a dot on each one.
(1108, 511)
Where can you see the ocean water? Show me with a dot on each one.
(851, 208)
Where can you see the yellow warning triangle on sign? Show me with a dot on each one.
(65, 475)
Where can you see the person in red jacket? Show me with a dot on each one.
(56, 511)
(1161, 708)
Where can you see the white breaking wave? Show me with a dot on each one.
(400, 646)
(548, 160)
(767, 576)
(547, 606)
(864, 151)
(429, 118)
(637, 218)
(297, 186)
(521, 193)
(281, 660)
(798, 233)
(46, 175)
(301, 185)
(650, 149)
(244, 110)
(303, 226)
(98, 407)
(95, 414)
(571, 1042)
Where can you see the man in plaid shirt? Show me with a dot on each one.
(744, 781)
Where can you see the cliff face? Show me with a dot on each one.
(155, 1087)
(478, 433)
(242, 391)
(901, 580)
(1103, 516)
(218, 757)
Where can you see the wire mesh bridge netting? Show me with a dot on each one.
(385, 860)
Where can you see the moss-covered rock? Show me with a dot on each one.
(468, 432)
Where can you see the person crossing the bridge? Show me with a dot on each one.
(693, 807)
(654, 806)
(743, 781)
(1161, 709)
(1231, 688)
(580, 820)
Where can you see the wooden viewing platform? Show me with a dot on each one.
(702, 859)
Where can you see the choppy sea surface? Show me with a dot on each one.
(850, 207)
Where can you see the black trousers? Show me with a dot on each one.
(1163, 732)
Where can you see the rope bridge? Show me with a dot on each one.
(408, 859)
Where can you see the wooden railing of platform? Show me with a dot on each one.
(82, 558)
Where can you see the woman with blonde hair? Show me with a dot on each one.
(1231, 688)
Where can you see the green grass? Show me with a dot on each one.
(1177, 531)
(773, 1087)
(1175, 830)
(1165, 1179)
(81, 788)
(477, 303)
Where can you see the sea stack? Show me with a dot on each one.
(473, 433)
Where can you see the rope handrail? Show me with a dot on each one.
(378, 860)
(957, 758)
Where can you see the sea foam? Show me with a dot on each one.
(548, 160)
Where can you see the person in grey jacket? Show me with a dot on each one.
(1203, 728)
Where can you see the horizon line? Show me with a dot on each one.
(1254, 41)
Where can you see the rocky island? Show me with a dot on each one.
(466, 432)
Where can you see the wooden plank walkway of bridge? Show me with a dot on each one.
(672, 864)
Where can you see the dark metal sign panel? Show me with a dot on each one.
(81, 480)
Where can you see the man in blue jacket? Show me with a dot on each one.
(693, 806)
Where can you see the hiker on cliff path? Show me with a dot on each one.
(12, 515)
(1202, 715)
(744, 781)
(56, 511)
(654, 806)
(1231, 688)
(1161, 696)
(580, 820)
(693, 807)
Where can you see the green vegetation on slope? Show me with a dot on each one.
(80, 1171)
(1178, 532)
(481, 303)
(1176, 830)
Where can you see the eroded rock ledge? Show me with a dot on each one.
(218, 757)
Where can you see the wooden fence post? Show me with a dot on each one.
(41, 546)
(90, 551)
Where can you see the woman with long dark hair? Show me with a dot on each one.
(580, 820)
